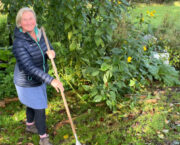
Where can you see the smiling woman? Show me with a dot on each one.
(26, 20)
(31, 72)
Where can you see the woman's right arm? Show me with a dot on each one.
(57, 85)
(25, 61)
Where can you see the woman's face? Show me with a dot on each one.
(28, 21)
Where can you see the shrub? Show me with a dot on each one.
(127, 66)
(4, 41)
(6, 74)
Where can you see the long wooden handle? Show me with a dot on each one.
(57, 77)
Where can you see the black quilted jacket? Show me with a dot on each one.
(31, 60)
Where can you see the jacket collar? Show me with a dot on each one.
(25, 36)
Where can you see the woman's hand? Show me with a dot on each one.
(57, 85)
(51, 54)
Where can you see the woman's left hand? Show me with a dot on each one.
(51, 54)
(57, 85)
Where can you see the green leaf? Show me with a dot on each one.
(95, 73)
(86, 60)
(169, 75)
(3, 65)
(109, 103)
(99, 62)
(67, 25)
(70, 35)
(105, 79)
(85, 96)
(105, 66)
(86, 87)
(13, 60)
(102, 11)
(99, 41)
(99, 32)
(109, 31)
(97, 98)
(72, 46)
(132, 83)
(153, 70)
(116, 51)
(51, 33)
(94, 92)
(107, 76)
(113, 95)
(120, 84)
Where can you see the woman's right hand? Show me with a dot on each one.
(57, 85)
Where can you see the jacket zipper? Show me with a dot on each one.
(44, 68)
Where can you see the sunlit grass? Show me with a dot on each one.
(177, 4)
(161, 12)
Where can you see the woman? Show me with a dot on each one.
(31, 72)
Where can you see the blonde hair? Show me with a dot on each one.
(20, 13)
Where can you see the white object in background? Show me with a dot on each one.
(163, 56)
(149, 37)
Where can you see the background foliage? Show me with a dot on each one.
(100, 52)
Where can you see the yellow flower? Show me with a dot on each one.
(125, 42)
(145, 48)
(129, 59)
(148, 12)
(142, 19)
(152, 14)
(66, 136)
(154, 11)
(119, 2)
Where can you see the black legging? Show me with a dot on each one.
(39, 116)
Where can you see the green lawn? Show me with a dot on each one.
(171, 12)
(139, 120)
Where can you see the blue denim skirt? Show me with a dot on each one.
(33, 97)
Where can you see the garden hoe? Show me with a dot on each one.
(62, 93)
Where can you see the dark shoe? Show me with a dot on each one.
(31, 128)
(45, 141)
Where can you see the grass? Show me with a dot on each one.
(162, 12)
(137, 123)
